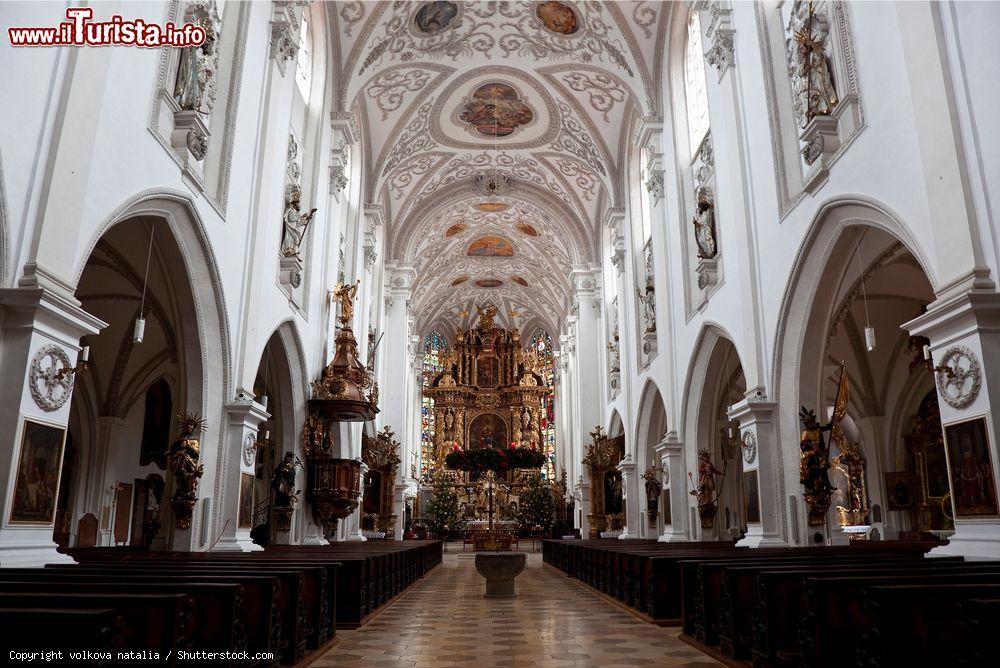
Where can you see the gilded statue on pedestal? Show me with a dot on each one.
(283, 481)
(706, 489)
(344, 294)
(814, 463)
(182, 461)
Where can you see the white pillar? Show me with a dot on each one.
(243, 420)
(965, 338)
(41, 331)
(671, 453)
(760, 459)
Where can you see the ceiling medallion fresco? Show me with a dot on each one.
(433, 17)
(524, 228)
(495, 109)
(557, 17)
(489, 283)
(456, 229)
(491, 246)
(459, 280)
(519, 280)
(492, 207)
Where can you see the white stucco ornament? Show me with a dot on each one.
(749, 447)
(49, 388)
(959, 376)
(249, 450)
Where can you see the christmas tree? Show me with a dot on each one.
(443, 514)
(535, 505)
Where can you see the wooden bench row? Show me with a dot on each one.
(866, 604)
(284, 601)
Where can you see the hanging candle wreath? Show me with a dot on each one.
(494, 459)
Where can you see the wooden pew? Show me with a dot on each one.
(920, 625)
(982, 619)
(96, 630)
(220, 612)
(162, 623)
(275, 612)
(834, 615)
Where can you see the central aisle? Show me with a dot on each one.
(445, 621)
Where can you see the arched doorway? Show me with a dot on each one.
(715, 461)
(652, 507)
(850, 315)
(122, 415)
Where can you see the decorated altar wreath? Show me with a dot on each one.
(477, 460)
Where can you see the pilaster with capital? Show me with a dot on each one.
(964, 333)
(631, 495)
(671, 454)
(42, 332)
(243, 419)
(761, 463)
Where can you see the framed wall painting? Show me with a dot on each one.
(970, 467)
(246, 501)
(38, 466)
(752, 497)
(900, 490)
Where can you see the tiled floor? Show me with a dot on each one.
(445, 621)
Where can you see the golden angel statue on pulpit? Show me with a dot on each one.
(345, 294)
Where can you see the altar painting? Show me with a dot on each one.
(488, 431)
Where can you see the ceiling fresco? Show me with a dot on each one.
(505, 119)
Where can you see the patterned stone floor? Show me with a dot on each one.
(445, 621)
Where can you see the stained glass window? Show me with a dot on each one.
(434, 345)
(542, 343)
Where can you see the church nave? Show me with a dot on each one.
(444, 621)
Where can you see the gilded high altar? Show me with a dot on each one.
(491, 392)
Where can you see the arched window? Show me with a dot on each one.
(645, 213)
(695, 86)
(303, 60)
(434, 346)
(542, 343)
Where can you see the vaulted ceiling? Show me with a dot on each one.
(495, 139)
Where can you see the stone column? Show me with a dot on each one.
(243, 420)
(354, 534)
(759, 452)
(42, 333)
(630, 497)
(671, 453)
(583, 497)
(965, 342)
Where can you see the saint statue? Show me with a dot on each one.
(705, 491)
(183, 456)
(647, 299)
(704, 226)
(345, 294)
(814, 459)
(283, 480)
(295, 223)
(813, 93)
(194, 89)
